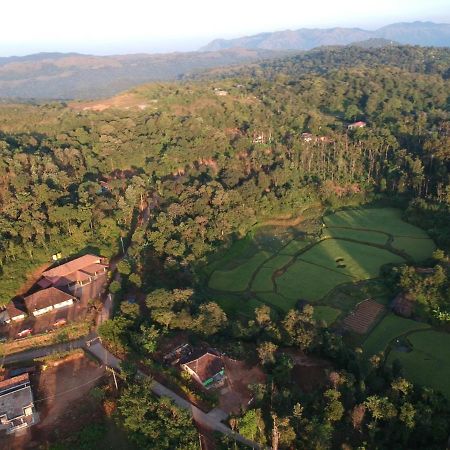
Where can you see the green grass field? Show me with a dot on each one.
(278, 261)
(294, 246)
(387, 330)
(314, 270)
(277, 301)
(380, 219)
(428, 363)
(326, 314)
(372, 237)
(237, 279)
(308, 281)
(361, 261)
(263, 280)
(419, 249)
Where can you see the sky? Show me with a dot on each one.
(131, 26)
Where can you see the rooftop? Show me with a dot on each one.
(15, 394)
(72, 266)
(205, 365)
(44, 298)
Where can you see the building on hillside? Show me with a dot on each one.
(46, 300)
(74, 274)
(354, 125)
(403, 305)
(10, 313)
(16, 404)
(205, 367)
(307, 137)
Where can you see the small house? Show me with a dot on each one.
(16, 404)
(354, 125)
(206, 368)
(10, 313)
(46, 300)
(307, 137)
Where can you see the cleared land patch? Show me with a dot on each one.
(350, 258)
(238, 278)
(429, 361)
(363, 317)
(388, 329)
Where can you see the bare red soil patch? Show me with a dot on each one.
(63, 401)
(361, 319)
(236, 395)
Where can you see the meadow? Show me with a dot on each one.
(429, 361)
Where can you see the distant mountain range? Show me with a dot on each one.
(47, 76)
(67, 76)
(415, 33)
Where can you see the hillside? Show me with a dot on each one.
(416, 33)
(47, 76)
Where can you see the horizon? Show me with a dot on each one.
(110, 29)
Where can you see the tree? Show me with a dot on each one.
(251, 426)
(155, 422)
(266, 352)
(300, 328)
(210, 319)
(262, 316)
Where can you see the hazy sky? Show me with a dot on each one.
(126, 26)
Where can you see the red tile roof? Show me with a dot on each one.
(13, 311)
(44, 298)
(206, 366)
(72, 266)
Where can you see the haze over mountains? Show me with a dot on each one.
(61, 76)
(415, 33)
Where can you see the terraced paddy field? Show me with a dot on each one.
(428, 362)
(281, 267)
(390, 328)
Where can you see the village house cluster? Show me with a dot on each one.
(59, 287)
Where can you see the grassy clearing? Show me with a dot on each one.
(388, 329)
(419, 249)
(326, 314)
(359, 235)
(278, 261)
(239, 278)
(381, 219)
(238, 251)
(263, 280)
(307, 281)
(277, 301)
(235, 304)
(349, 258)
(294, 246)
(429, 362)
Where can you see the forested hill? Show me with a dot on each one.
(414, 33)
(425, 60)
(68, 76)
(214, 156)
